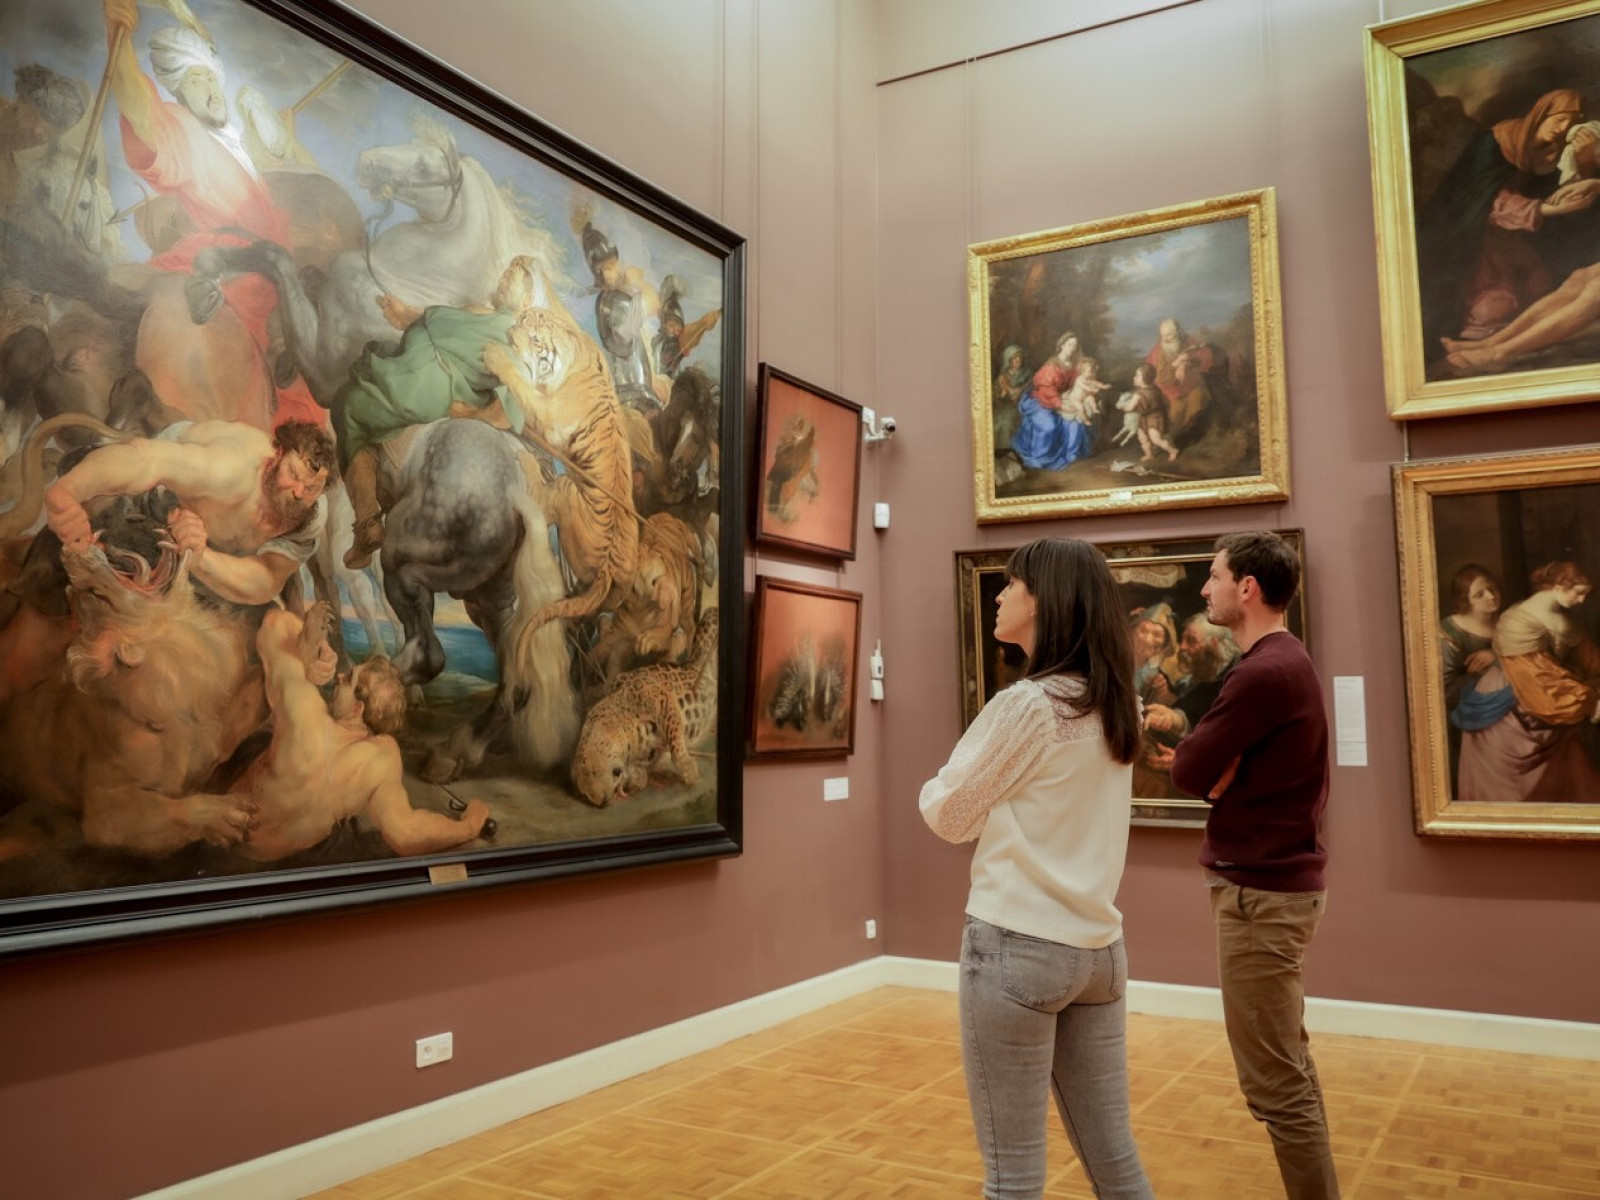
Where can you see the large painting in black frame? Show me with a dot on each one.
(609, 400)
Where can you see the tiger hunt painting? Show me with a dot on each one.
(365, 447)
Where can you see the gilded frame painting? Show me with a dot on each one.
(1497, 554)
(1129, 364)
(805, 653)
(387, 348)
(808, 467)
(1181, 658)
(1486, 196)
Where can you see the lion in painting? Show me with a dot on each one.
(155, 692)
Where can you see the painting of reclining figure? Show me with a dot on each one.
(361, 476)
(1485, 131)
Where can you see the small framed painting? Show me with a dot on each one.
(808, 476)
(806, 645)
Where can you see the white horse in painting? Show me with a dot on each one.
(466, 230)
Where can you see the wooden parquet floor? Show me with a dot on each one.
(865, 1101)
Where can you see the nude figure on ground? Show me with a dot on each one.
(1564, 313)
(337, 759)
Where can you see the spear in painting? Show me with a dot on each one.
(119, 42)
(328, 81)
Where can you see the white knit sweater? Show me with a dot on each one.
(1035, 784)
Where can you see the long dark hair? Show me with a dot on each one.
(1461, 587)
(1079, 629)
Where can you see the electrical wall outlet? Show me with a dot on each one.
(872, 930)
(431, 1051)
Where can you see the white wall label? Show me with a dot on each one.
(1350, 720)
(836, 789)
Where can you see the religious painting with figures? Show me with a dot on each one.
(1499, 557)
(1129, 364)
(1180, 657)
(1486, 149)
(370, 479)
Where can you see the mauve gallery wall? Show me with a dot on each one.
(142, 1065)
(1200, 100)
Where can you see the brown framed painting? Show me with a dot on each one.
(1181, 658)
(388, 342)
(1497, 561)
(808, 466)
(1129, 364)
(1486, 192)
(805, 645)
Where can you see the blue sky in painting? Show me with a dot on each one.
(1201, 275)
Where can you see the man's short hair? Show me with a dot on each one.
(1268, 559)
(383, 696)
(306, 440)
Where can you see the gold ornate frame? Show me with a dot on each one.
(1409, 393)
(1270, 483)
(1172, 569)
(1425, 567)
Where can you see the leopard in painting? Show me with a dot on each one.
(650, 721)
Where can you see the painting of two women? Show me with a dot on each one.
(1518, 660)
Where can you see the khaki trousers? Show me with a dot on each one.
(1262, 938)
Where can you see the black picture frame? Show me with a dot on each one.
(44, 919)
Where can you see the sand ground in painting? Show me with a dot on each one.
(1221, 456)
(528, 812)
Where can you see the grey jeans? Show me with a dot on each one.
(1040, 1019)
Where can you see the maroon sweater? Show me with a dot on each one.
(1262, 831)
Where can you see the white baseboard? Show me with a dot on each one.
(1437, 1026)
(357, 1151)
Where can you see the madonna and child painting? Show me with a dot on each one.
(1129, 364)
